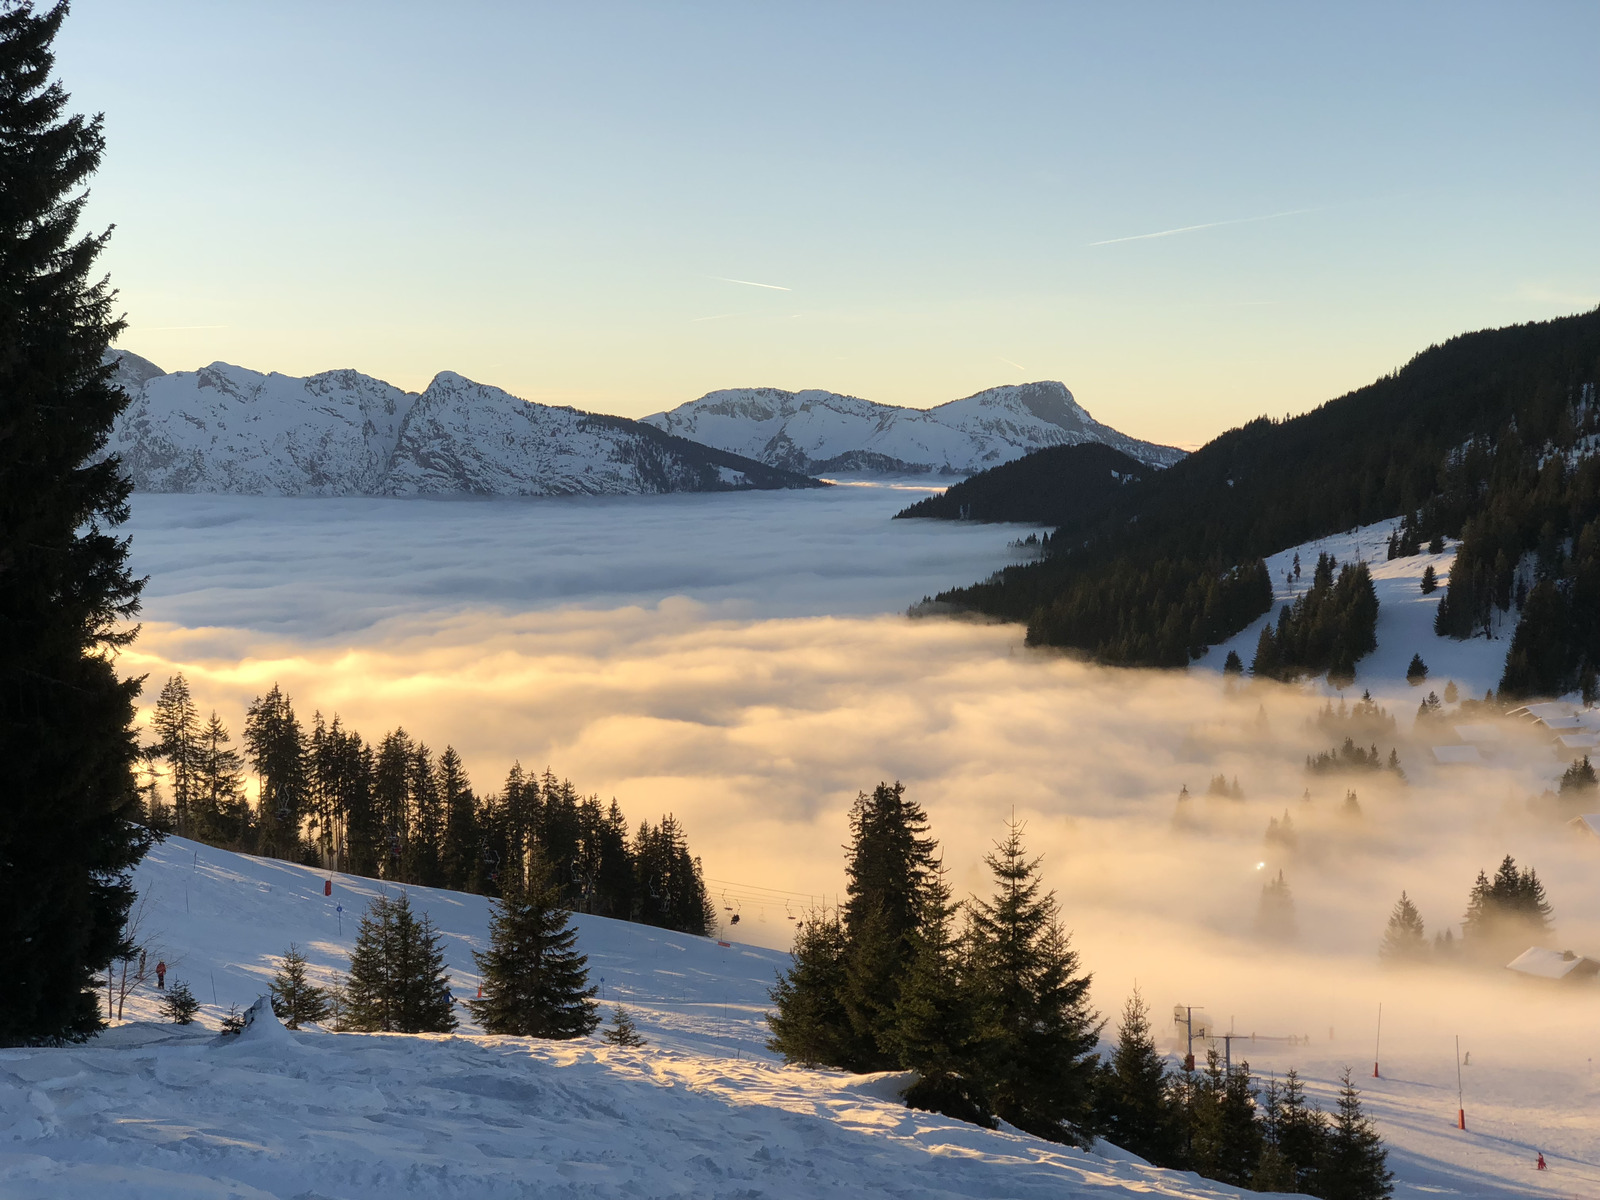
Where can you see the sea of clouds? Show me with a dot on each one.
(744, 662)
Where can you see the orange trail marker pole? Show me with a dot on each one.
(1377, 1041)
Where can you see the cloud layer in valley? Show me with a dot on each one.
(739, 662)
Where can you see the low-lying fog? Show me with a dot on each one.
(743, 662)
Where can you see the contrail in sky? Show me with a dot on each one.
(1009, 363)
(715, 317)
(1141, 237)
(750, 283)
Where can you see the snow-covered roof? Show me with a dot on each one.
(1579, 741)
(1553, 964)
(1456, 754)
(1543, 711)
(1588, 823)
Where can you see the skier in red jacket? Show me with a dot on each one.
(161, 974)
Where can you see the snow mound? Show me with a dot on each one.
(262, 1027)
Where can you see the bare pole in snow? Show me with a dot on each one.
(1461, 1105)
(1377, 1041)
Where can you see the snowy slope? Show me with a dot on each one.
(1405, 618)
(818, 431)
(227, 429)
(151, 1112)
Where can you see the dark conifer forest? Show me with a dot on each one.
(1051, 487)
(1490, 437)
(396, 810)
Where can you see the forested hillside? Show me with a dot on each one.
(1054, 485)
(1490, 437)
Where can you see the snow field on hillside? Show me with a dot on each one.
(1405, 619)
(153, 1111)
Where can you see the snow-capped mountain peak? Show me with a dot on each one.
(820, 431)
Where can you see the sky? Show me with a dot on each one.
(1191, 215)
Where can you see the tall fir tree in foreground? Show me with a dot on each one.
(891, 861)
(68, 810)
(397, 981)
(1036, 1032)
(535, 982)
(295, 999)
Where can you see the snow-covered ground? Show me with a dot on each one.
(151, 1111)
(1405, 619)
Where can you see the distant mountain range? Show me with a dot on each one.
(341, 433)
(820, 432)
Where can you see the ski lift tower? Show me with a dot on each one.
(1194, 1026)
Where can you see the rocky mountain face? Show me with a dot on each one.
(824, 432)
(340, 433)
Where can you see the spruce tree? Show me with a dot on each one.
(1354, 1164)
(1404, 940)
(1133, 1096)
(891, 860)
(220, 813)
(295, 999)
(397, 981)
(808, 1022)
(621, 1031)
(1036, 1031)
(1300, 1133)
(69, 832)
(934, 1031)
(275, 743)
(176, 725)
(178, 1005)
(535, 983)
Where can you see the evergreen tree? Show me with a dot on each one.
(535, 983)
(397, 982)
(1298, 1130)
(1354, 1164)
(459, 852)
(1417, 671)
(1507, 912)
(178, 1004)
(933, 1031)
(1404, 940)
(176, 725)
(1036, 1032)
(1579, 777)
(295, 999)
(1430, 580)
(1275, 913)
(808, 1022)
(1233, 665)
(621, 1031)
(1133, 1098)
(221, 815)
(891, 860)
(276, 746)
(1274, 1172)
(69, 835)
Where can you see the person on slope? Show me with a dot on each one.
(161, 975)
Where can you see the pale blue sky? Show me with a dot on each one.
(550, 198)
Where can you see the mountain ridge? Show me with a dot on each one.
(226, 429)
(820, 431)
